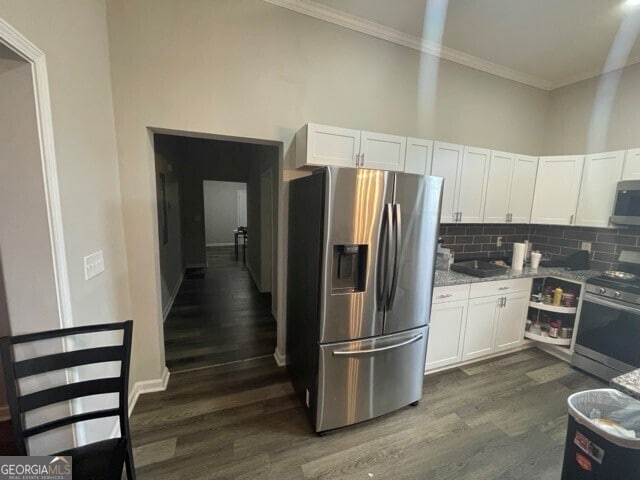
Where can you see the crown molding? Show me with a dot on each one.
(594, 73)
(373, 29)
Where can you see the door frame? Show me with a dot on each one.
(16, 42)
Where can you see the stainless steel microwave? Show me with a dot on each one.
(627, 206)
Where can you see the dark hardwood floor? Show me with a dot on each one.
(499, 419)
(7, 445)
(218, 316)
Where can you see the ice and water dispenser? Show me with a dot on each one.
(349, 271)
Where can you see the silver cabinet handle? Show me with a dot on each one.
(362, 159)
(507, 218)
(571, 219)
(346, 353)
(445, 295)
(459, 216)
(503, 288)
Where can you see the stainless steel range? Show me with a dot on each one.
(608, 338)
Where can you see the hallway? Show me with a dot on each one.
(218, 316)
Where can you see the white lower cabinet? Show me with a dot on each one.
(446, 331)
(469, 322)
(479, 334)
(511, 320)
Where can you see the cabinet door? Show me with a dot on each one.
(447, 163)
(446, 334)
(632, 165)
(523, 182)
(511, 320)
(557, 186)
(418, 159)
(473, 184)
(498, 187)
(480, 329)
(601, 175)
(327, 145)
(383, 152)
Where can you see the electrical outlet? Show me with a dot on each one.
(585, 246)
(499, 242)
(93, 265)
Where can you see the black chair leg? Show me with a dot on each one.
(128, 462)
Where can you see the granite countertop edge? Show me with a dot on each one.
(448, 278)
(628, 383)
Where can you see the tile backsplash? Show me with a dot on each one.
(479, 240)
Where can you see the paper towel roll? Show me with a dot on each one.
(518, 256)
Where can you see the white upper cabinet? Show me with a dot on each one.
(557, 187)
(324, 145)
(418, 157)
(523, 183)
(473, 184)
(447, 163)
(602, 172)
(496, 207)
(320, 145)
(383, 152)
(632, 165)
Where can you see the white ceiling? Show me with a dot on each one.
(546, 43)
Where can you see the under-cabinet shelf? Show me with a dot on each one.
(547, 339)
(552, 308)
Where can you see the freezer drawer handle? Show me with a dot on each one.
(346, 353)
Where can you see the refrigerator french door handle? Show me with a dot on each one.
(348, 353)
(383, 258)
(397, 229)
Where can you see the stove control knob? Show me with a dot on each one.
(601, 290)
(617, 294)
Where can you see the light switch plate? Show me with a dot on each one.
(93, 265)
(586, 246)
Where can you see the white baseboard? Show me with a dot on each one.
(4, 413)
(172, 298)
(524, 346)
(255, 278)
(281, 360)
(223, 244)
(139, 388)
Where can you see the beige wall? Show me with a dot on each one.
(73, 36)
(574, 107)
(221, 211)
(250, 69)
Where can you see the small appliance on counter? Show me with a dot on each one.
(609, 330)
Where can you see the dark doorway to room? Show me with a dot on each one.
(216, 294)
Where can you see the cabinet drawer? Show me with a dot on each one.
(450, 293)
(485, 289)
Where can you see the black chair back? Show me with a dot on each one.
(15, 370)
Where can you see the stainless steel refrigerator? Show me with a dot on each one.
(361, 260)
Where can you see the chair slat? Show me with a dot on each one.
(53, 395)
(34, 337)
(58, 361)
(81, 417)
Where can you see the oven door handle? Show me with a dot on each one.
(605, 303)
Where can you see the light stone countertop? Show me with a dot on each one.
(444, 278)
(628, 383)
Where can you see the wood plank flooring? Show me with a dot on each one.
(500, 419)
(218, 316)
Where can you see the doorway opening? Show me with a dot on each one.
(216, 221)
